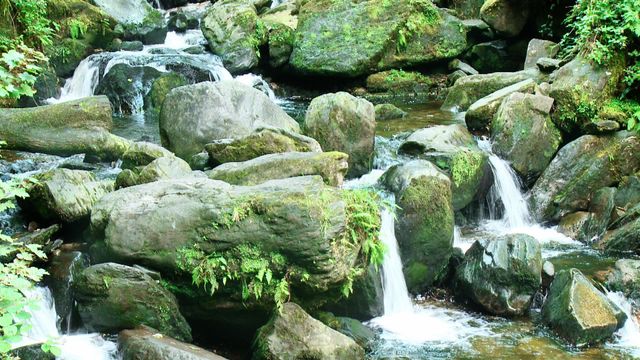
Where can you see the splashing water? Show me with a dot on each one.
(626, 338)
(256, 81)
(73, 347)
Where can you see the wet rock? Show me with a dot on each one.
(142, 153)
(131, 46)
(579, 312)
(85, 124)
(367, 300)
(160, 87)
(470, 89)
(454, 76)
(497, 56)
(145, 343)
(453, 149)
(624, 238)
(63, 195)
(232, 30)
(601, 209)
(126, 85)
(548, 65)
(293, 334)
(456, 64)
(342, 122)
(281, 38)
(424, 228)
(548, 273)
(162, 168)
(182, 21)
(501, 275)
(262, 142)
(579, 169)
(388, 112)
(112, 297)
(628, 193)
(195, 115)
(574, 224)
(352, 328)
(332, 166)
(137, 19)
(539, 49)
(64, 268)
(398, 81)
(523, 133)
(481, 112)
(505, 16)
(625, 277)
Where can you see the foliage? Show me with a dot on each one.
(364, 223)
(261, 274)
(18, 71)
(629, 109)
(604, 29)
(77, 28)
(426, 15)
(30, 18)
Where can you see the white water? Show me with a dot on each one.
(628, 337)
(73, 347)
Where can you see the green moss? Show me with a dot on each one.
(465, 165)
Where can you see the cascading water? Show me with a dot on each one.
(628, 337)
(73, 347)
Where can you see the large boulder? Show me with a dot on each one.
(625, 238)
(233, 32)
(142, 153)
(580, 89)
(579, 169)
(262, 142)
(469, 89)
(398, 82)
(145, 343)
(625, 277)
(507, 17)
(75, 127)
(138, 20)
(424, 228)
(538, 49)
(160, 87)
(501, 275)
(523, 134)
(195, 115)
(294, 334)
(63, 195)
(332, 166)
(342, 122)
(125, 85)
(454, 150)
(577, 311)
(388, 112)
(481, 112)
(342, 38)
(168, 167)
(112, 297)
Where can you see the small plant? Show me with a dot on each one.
(425, 15)
(77, 28)
(18, 71)
(363, 223)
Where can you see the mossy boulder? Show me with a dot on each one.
(294, 334)
(145, 343)
(63, 195)
(332, 166)
(424, 228)
(453, 149)
(112, 297)
(195, 115)
(469, 89)
(137, 20)
(342, 38)
(234, 32)
(523, 134)
(280, 42)
(466, 9)
(342, 122)
(481, 112)
(167, 167)
(398, 81)
(262, 142)
(160, 87)
(142, 153)
(574, 224)
(75, 127)
(578, 312)
(624, 238)
(501, 275)
(506, 17)
(625, 277)
(388, 112)
(581, 89)
(581, 168)
(125, 85)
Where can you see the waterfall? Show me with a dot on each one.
(73, 347)
(84, 81)
(627, 337)
(506, 189)
(256, 81)
(396, 295)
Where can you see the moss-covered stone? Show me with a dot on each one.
(481, 112)
(142, 153)
(507, 17)
(280, 41)
(160, 87)
(398, 81)
(388, 112)
(124, 84)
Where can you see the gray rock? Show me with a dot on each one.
(195, 115)
(388, 112)
(123, 84)
(481, 112)
(539, 49)
(456, 64)
(574, 224)
(137, 19)
(625, 277)
(342, 122)
(142, 153)
(131, 46)
(501, 275)
(293, 334)
(548, 65)
(505, 16)
(145, 343)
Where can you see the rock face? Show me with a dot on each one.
(424, 228)
(262, 142)
(342, 38)
(470, 89)
(342, 122)
(625, 277)
(85, 124)
(580, 89)
(579, 312)
(145, 343)
(293, 334)
(501, 275)
(65, 195)
(195, 115)
(138, 19)
(522, 133)
(232, 32)
(332, 166)
(579, 169)
(624, 238)
(539, 49)
(122, 84)
(161, 87)
(454, 150)
(507, 17)
(481, 112)
(112, 297)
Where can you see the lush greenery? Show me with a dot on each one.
(602, 30)
(18, 71)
